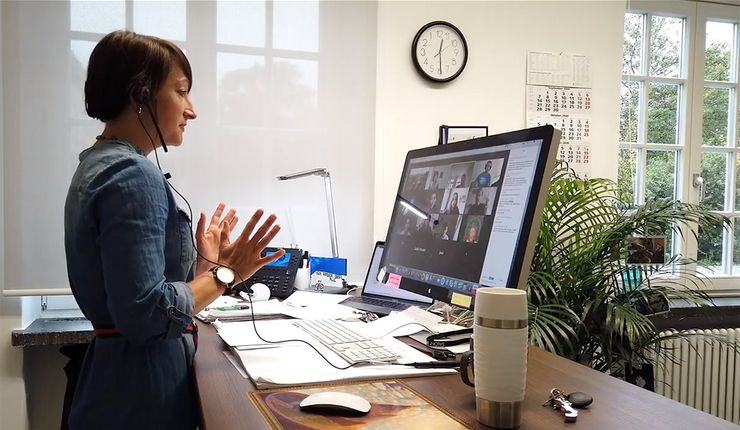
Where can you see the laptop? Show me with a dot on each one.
(379, 298)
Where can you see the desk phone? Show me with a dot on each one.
(279, 276)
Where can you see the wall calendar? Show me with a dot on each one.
(566, 107)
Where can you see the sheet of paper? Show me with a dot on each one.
(302, 365)
(305, 299)
(242, 333)
(411, 320)
(305, 305)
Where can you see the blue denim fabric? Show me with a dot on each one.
(129, 251)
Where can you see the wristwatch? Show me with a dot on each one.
(224, 276)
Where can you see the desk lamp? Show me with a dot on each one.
(323, 172)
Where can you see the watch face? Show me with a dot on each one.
(225, 275)
(439, 51)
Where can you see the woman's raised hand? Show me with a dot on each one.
(212, 238)
(244, 255)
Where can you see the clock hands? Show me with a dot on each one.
(439, 54)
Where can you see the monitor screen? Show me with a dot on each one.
(466, 215)
(374, 287)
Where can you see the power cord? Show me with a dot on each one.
(238, 275)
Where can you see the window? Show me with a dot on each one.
(265, 101)
(679, 118)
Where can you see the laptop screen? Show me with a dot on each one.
(375, 288)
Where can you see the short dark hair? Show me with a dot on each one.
(126, 67)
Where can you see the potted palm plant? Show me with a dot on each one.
(585, 302)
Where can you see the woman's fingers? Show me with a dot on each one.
(225, 233)
(251, 224)
(232, 223)
(201, 228)
(230, 215)
(270, 258)
(262, 244)
(216, 217)
(264, 228)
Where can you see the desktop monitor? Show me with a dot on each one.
(467, 214)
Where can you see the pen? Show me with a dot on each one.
(232, 307)
(435, 365)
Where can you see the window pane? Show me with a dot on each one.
(736, 249)
(626, 175)
(716, 110)
(80, 51)
(165, 19)
(97, 16)
(710, 250)
(296, 84)
(661, 175)
(633, 34)
(242, 87)
(296, 25)
(666, 37)
(662, 114)
(718, 49)
(241, 23)
(737, 183)
(713, 169)
(628, 114)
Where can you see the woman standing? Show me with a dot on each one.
(130, 254)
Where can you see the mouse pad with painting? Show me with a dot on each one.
(394, 405)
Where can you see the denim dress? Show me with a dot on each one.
(129, 249)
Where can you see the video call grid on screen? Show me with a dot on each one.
(460, 192)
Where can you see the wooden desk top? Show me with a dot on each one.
(225, 404)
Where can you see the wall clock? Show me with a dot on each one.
(439, 51)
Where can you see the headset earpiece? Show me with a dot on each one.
(141, 95)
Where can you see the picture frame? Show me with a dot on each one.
(458, 133)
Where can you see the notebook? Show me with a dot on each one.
(379, 298)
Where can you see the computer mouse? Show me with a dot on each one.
(260, 293)
(335, 403)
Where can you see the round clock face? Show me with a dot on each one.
(439, 51)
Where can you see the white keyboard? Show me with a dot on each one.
(351, 346)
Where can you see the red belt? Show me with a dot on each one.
(113, 332)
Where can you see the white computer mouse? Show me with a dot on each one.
(335, 403)
(260, 293)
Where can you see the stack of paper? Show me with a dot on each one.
(273, 355)
(227, 308)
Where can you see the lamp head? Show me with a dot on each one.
(321, 171)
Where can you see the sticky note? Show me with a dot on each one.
(394, 281)
(461, 300)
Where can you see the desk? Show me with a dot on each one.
(225, 404)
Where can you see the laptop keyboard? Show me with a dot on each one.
(378, 302)
(351, 346)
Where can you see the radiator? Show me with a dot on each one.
(702, 373)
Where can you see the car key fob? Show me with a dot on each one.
(580, 400)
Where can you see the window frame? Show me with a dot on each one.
(688, 147)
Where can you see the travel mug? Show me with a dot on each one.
(500, 355)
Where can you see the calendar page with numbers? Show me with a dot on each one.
(565, 107)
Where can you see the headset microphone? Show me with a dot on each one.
(156, 126)
(167, 175)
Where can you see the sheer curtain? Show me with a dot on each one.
(278, 86)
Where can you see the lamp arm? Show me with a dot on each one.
(330, 210)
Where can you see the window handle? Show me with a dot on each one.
(700, 184)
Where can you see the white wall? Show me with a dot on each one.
(491, 89)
